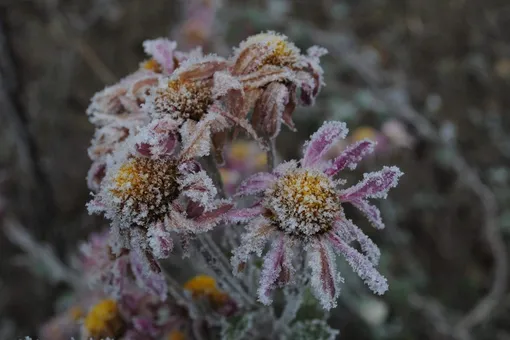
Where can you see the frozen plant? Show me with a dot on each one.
(165, 139)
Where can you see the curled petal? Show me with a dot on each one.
(162, 50)
(325, 280)
(255, 184)
(374, 185)
(289, 109)
(202, 69)
(215, 215)
(160, 240)
(95, 175)
(275, 266)
(268, 112)
(224, 83)
(265, 75)
(199, 188)
(322, 140)
(350, 157)
(361, 265)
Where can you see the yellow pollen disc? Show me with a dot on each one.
(184, 99)
(203, 285)
(176, 335)
(104, 320)
(303, 203)
(147, 186)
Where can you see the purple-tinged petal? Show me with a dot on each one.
(148, 274)
(146, 326)
(160, 240)
(199, 188)
(255, 184)
(245, 214)
(271, 270)
(370, 211)
(374, 185)
(349, 232)
(350, 157)
(162, 50)
(361, 265)
(325, 279)
(322, 140)
(95, 175)
(117, 277)
(215, 215)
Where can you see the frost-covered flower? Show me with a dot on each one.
(272, 70)
(155, 187)
(103, 321)
(300, 207)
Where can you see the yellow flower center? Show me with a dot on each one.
(282, 54)
(104, 320)
(176, 335)
(184, 99)
(146, 187)
(303, 203)
(205, 286)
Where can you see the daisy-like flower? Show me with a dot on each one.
(299, 207)
(116, 111)
(272, 71)
(153, 187)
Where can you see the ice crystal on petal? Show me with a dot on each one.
(351, 156)
(162, 50)
(255, 184)
(374, 184)
(160, 240)
(271, 269)
(325, 280)
(199, 188)
(322, 140)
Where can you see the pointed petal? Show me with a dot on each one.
(245, 214)
(199, 188)
(370, 211)
(325, 280)
(361, 265)
(347, 231)
(350, 157)
(374, 185)
(255, 184)
(322, 140)
(215, 215)
(271, 269)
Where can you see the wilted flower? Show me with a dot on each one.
(153, 188)
(300, 206)
(272, 70)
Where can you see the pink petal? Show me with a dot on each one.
(325, 280)
(162, 50)
(361, 265)
(322, 140)
(215, 215)
(370, 211)
(350, 157)
(245, 214)
(271, 269)
(374, 185)
(255, 184)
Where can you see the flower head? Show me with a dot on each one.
(104, 320)
(300, 206)
(204, 286)
(272, 70)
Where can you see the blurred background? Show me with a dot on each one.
(429, 80)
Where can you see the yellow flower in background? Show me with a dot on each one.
(176, 335)
(104, 320)
(364, 132)
(205, 286)
(76, 313)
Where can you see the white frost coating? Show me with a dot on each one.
(160, 240)
(361, 266)
(271, 269)
(348, 232)
(351, 156)
(371, 212)
(255, 184)
(322, 140)
(325, 280)
(199, 187)
(374, 184)
(223, 83)
(252, 242)
(268, 74)
(196, 139)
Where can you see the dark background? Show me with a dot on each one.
(441, 68)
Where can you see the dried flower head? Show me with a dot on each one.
(272, 70)
(300, 206)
